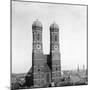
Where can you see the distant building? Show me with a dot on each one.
(83, 68)
(45, 68)
(78, 69)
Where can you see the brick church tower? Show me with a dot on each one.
(38, 59)
(54, 52)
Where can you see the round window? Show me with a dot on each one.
(56, 47)
(38, 70)
(38, 46)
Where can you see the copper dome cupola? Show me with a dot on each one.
(54, 27)
(37, 25)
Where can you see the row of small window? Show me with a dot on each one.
(54, 68)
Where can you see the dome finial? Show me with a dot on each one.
(37, 23)
(54, 26)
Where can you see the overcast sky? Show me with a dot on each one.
(72, 33)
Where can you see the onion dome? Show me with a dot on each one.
(54, 27)
(36, 24)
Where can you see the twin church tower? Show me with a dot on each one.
(45, 68)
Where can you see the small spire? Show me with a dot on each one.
(83, 67)
(78, 68)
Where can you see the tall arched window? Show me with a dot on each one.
(38, 36)
(55, 37)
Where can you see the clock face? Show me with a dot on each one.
(38, 46)
(56, 47)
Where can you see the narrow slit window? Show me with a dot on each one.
(55, 38)
(38, 36)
